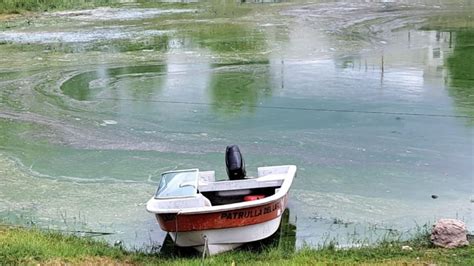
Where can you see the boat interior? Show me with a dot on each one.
(233, 191)
(193, 189)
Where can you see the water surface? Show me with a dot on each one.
(372, 100)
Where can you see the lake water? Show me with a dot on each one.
(372, 100)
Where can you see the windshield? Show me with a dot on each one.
(178, 184)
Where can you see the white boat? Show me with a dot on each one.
(216, 216)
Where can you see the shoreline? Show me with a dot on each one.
(31, 245)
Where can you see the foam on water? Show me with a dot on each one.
(72, 206)
(106, 13)
(104, 34)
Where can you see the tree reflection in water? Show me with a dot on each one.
(461, 73)
(236, 89)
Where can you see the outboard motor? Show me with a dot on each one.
(234, 162)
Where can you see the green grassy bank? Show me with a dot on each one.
(32, 246)
(19, 6)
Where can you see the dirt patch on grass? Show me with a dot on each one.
(4, 17)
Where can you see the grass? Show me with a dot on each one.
(20, 6)
(32, 246)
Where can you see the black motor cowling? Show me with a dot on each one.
(234, 162)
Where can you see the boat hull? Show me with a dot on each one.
(230, 218)
(217, 232)
(221, 240)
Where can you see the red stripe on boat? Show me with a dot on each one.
(223, 219)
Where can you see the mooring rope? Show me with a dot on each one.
(205, 250)
(176, 227)
(292, 108)
(312, 109)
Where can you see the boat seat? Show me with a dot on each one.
(233, 193)
(241, 185)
